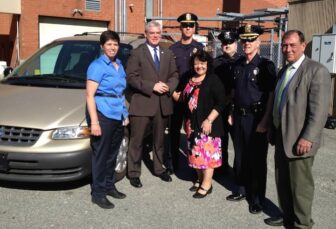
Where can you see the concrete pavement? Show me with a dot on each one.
(159, 204)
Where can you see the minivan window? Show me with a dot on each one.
(61, 64)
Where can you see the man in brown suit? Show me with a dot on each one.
(300, 111)
(152, 75)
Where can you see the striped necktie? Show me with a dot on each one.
(278, 96)
(156, 59)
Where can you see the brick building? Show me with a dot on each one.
(33, 23)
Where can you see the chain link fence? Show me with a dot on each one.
(272, 51)
(269, 48)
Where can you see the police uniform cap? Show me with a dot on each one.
(228, 36)
(187, 18)
(249, 32)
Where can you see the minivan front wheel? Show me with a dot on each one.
(121, 163)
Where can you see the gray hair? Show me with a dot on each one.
(152, 24)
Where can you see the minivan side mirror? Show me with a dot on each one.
(7, 71)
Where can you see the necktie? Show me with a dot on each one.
(156, 60)
(277, 101)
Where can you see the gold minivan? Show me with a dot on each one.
(44, 136)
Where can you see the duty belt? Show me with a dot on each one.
(255, 108)
(108, 95)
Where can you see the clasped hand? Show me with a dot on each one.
(161, 87)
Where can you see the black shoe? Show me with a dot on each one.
(236, 197)
(135, 182)
(102, 202)
(195, 186)
(165, 177)
(255, 208)
(199, 195)
(274, 221)
(116, 194)
(170, 171)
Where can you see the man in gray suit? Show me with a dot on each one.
(300, 112)
(152, 76)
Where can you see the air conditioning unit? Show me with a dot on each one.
(324, 50)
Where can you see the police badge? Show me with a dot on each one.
(256, 71)
(188, 17)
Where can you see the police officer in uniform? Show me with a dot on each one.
(182, 50)
(254, 83)
(224, 68)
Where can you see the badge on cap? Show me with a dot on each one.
(188, 17)
(227, 35)
(248, 28)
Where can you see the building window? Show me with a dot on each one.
(92, 5)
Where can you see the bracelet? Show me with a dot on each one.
(209, 121)
(95, 123)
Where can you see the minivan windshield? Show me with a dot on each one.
(61, 64)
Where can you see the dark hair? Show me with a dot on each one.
(203, 56)
(294, 31)
(109, 35)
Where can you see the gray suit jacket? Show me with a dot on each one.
(306, 107)
(142, 76)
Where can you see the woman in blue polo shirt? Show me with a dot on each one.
(107, 113)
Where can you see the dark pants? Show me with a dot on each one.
(105, 149)
(225, 140)
(295, 187)
(139, 128)
(176, 120)
(250, 162)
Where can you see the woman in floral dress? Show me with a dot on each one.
(202, 96)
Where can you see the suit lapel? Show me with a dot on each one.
(162, 59)
(296, 79)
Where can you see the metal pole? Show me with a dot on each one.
(272, 45)
(279, 44)
(120, 16)
(125, 16)
(115, 15)
(17, 41)
(149, 9)
(161, 8)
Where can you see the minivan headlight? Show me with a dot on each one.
(76, 132)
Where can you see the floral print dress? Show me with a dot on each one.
(204, 151)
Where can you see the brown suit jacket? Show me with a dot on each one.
(142, 76)
(306, 107)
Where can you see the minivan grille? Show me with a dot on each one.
(18, 135)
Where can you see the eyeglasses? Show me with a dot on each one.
(187, 24)
(248, 40)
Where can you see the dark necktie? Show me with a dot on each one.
(156, 60)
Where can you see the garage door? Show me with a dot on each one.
(52, 28)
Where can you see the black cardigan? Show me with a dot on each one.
(211, 96)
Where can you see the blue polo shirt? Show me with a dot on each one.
(111, 81)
